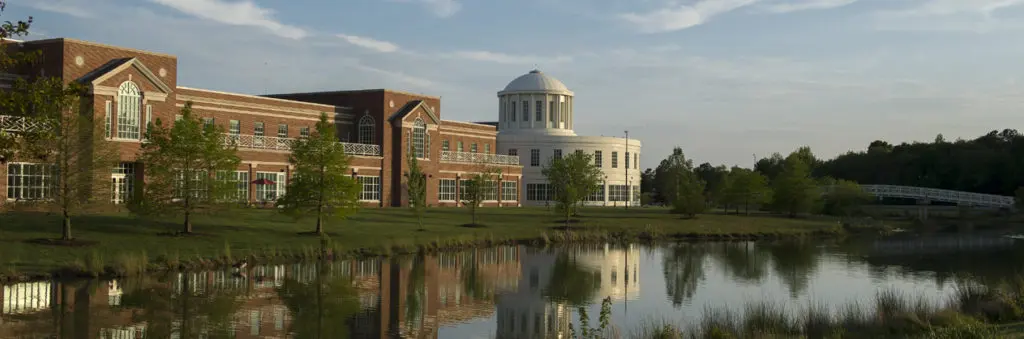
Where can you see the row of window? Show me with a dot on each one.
(598, 157)
(544, 192)
(258, 129)
(446, 146)
(447, 190)
(554, 115)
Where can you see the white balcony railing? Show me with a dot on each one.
(9, 123)
(479, 158)
(247, 141)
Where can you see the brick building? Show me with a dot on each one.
(130, 88)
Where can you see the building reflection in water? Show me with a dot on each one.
(371, 298)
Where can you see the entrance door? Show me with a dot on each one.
(118, 188)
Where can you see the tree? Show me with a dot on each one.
(572, 179)
(479, 187)
(10, 142)
(770, 167)
(844, 197)
(681, 186)
(794, 190)
(320, 185)
(71, 140)
(717, 181)
(746, 187)
(182, 162)
(416, 184)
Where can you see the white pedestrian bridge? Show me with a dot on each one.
(936, 194)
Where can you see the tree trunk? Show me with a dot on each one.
(319, 223)
(188, 223)
(67, 227)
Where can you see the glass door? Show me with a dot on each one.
(119, 188)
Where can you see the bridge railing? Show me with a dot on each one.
(936, 194)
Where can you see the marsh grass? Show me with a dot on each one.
(894, 314)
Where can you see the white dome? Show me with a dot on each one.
(536, 81)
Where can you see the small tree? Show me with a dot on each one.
(182, 162)
(747, 187)
(479, 187)
(71, 140)
(794, 190)
(689, 192)
(416, 185)
(320, 184)
(845, 197)
(572, 179)
(11, 143)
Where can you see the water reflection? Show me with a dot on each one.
(506, 292)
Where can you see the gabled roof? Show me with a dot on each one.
(411, 107)
(113, 67)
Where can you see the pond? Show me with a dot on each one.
(503, 292)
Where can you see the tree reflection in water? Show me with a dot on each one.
(683, 266)
(794, 262)
(745, 262)
(174, 306)
(320, 308)
(571, 282)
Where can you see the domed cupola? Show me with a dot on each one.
(535, 103)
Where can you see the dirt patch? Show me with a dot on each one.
(571, 221)
(183, 235)
(473, 225)
(61, 242)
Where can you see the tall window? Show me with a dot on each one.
(627, 159)
(551, 108)
(490, 191)
(597, 159)
(558, 154)
(636, 160)
(370, 186)
(366, 127)
(257, 129)
(526, 110)
(472, 148)
(270, 192)
(539, 115)
(282, 130)
(446, 190)
(238, 179)
(615, 159)
(106, 119)
(304, 132)
(512, 110)
(487, 148)
(459, 146)
(419, 138)
(122, 182)
(509, 191)
(534, 157)
(29, 181)
(445, 145)
(129, 112)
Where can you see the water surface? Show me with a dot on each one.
(504, 292)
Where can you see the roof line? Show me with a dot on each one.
(261, 97)
(362, 90)
(43, 41)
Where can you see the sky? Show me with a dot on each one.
(725, 80)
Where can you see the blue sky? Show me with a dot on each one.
(723, 79)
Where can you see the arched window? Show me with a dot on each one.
(419, 138)
(129, 112)
(366, 130)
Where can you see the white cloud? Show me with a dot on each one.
(804, 5)
(62, 6)
(679, 17)
(948, 15)
(370, 43)
(503, 58)
(238, 13)
(440, 8)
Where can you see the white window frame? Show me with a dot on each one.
(446, 190)
(129, 111)
(534, 157)
(370, 187)
(509, 191)
(598, 158)
(366, 130)
(282, 130)
(108, 123)
(279, 189)
(615, 159)
(39, 187)
(304, 132)
(419, 139)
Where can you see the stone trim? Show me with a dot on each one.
(133, 62)
(229, 110)
(308, 112)
(260, 97)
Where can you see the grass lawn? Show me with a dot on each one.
(253, 231)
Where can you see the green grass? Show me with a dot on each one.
(127, 244)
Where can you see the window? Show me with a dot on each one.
(558, 154)
(366, 128)
(129, 102)
(304, 132)
(149, 119)
(207, 122)
(540, 112)
(196, 181)
(234, 127)
(270, 192)
(526, 110)
(282, 130)
(597, 195)
(371, 188)
(579, 152)
(636, 160)
(257, 129)
(240, 179)
(419, 138)
(446, 190)
(534, 157)
(445, 145)
(513, 152)
(177, 117)
(490, 191)
(551, 109)
(487, 148)
(106, 119)
(618, 192)
(122, 182)
(615, 159)
(597, 159)
(509, 191)
(472, 148)
(463, 184)
(29, 181)
(512, 110)
(538, 192)
(627, 159)
(636, 193)
(459, 145)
